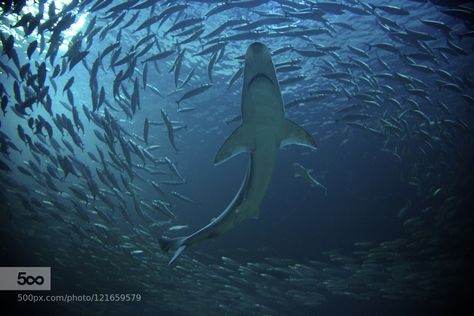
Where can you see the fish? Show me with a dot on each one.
(187, 79)
(175, 171)
(163, 208)
(153, 147)
(305, 174)
(181, 197)
(177, 227)
(169, 128)
(194, 92)
(390, 9)
(158, 56)
(264, 128)
(4, 166)
(235, 77)
(68, 84)
(135, 99)
(31, 48)
(193, 37)
(154, 89)
(146, 128)
(184, 23)
(169, 11)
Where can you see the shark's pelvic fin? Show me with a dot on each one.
(173, 243)
(176, 254)
(240, 141)
(293, 134)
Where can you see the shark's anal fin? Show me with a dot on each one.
(238, 142)
(293, 134)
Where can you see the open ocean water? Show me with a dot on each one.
(112, 115)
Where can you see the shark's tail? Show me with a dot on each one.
(178, 243)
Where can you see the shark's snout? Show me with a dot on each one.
(258, 64)
(257, 47)
(258, 50)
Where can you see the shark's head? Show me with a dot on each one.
(260, 85)
(259, 67)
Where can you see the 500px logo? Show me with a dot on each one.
(25, 278)
(30, 280)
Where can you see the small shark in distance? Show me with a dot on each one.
(264, 129)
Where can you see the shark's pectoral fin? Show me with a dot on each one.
(238, 142)
(293, 134)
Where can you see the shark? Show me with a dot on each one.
(264, 129)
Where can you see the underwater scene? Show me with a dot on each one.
(240, 157)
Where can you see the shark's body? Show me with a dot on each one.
(264, 129)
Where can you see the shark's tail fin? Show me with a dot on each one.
(177, 243)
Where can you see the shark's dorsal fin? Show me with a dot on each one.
(240, 141)
(293, 134)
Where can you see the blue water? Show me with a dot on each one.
(404, 194)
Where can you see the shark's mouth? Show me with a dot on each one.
(260, 75)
